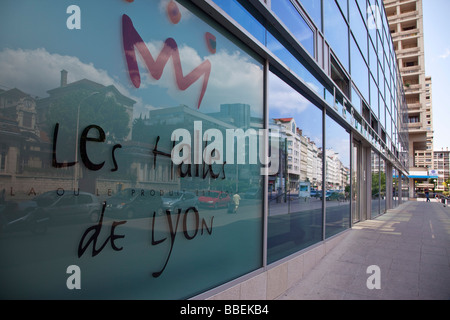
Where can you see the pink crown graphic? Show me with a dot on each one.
(132, 40)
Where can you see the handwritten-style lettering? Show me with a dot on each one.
(94, 236)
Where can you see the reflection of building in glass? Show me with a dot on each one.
(338, 176)
(442, 167)
(26, 153)
(303, 158)
(24, 145)
(85, 88)
(163, 122)
(237, 114)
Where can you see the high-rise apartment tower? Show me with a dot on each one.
(406, 25)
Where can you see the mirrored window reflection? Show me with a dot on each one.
(337, 169)
(295, 190)
(360, 72)
(376, 178)
(336, 31)
(374, 97)
(314, 9)
(395, 185)
(358, 28)
(355, 185)
(344, 6)
(295, 23)
(373, 60)
(108, 143)
(243, 17)
(382, 185)
(405, 188)
(293, 63)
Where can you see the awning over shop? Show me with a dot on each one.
(423, 177)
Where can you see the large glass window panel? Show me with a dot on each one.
(388, 124)
(337, 169)
(294, 64)
(363, 7)
(373, 21)
(314, 10)
(243, 17)
(358, 28)
(382, 185)
(380, 45)
(395, 186)
(405, 188)
(344, 7)
(376, 178)
(294, 190)
(359, 70)
(289, 15)
(374, 97)
(373, 61)
(123, 173)
(355, 178)
(356, 100)
(336, 31)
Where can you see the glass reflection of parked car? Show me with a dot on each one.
(334, 196)
(60, 206)
(179, 200)
(214, 199)
(21, 216)
(132, 203)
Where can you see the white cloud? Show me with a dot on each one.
(233, 79)
(37, 71)
(284, 100)
(446, 54)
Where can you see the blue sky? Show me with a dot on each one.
(437, 65)
(41, 44)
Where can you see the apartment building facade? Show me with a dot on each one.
(406, 26)
(442, 168)
(120, 176)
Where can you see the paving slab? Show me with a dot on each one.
(410, 246)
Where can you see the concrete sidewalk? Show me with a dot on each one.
(409, 244)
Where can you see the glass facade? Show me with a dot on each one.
(295, 218)
(337, 177)
(165, 151)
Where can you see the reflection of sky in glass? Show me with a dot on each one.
(95, 52)
(285, 102)
(336, 31)
(360, 71)
(338, 139)
(358, 28)
(313, 8)
(295, 23)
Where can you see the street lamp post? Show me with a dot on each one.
(75, 175)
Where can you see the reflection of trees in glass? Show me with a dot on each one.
(376, 176)
(99, 109)
(139, 130)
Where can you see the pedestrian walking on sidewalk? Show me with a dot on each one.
(427, 194)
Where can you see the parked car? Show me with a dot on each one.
(179, 200)
(337, 196)
(327, 195)
(131, 203)
(334, 196)
(21, 216)
(58, 207)
(214, 199)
